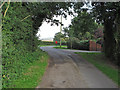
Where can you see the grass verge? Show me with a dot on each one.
(62, 47)
(32, 74)
(103, 64)
(44, 45)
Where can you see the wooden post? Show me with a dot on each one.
(60, 30)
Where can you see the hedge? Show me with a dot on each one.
(77, 44)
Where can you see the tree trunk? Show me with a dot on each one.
(71, 43)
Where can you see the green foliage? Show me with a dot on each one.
(87, 36)
(46, 43)
(33, 72)
(16, 51)
(77, 44)
(14, 66)
(21, 23)
(20, 26)
(108, 14)
(58, 36)
(62, 47)
(17, 40)
(83, 25)
(82, 28)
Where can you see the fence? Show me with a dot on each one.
(93, 46)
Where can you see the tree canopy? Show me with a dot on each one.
(58, 36)
(82, 25)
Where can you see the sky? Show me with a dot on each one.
(46, 31)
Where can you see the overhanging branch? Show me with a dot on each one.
(25, 18)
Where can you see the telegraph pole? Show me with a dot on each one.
(60, 30)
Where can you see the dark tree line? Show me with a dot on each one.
(109, 15)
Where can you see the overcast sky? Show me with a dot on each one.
(46, 31)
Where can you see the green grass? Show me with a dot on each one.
(62, 47)
(101, 62)
(32, 74)
(44, 45)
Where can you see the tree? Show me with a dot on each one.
(82, 25)
(98, 33)
(108, 14)
(58, 36)
(87, 36)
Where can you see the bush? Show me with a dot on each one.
(14, 65)
(83, 45)
(77, 44)
(19, 43)
(72, 41)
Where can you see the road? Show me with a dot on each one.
(69, 70)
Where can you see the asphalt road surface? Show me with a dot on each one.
(69, 70)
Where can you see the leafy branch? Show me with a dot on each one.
(25, 18)
(7, 8)
(2, 5)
